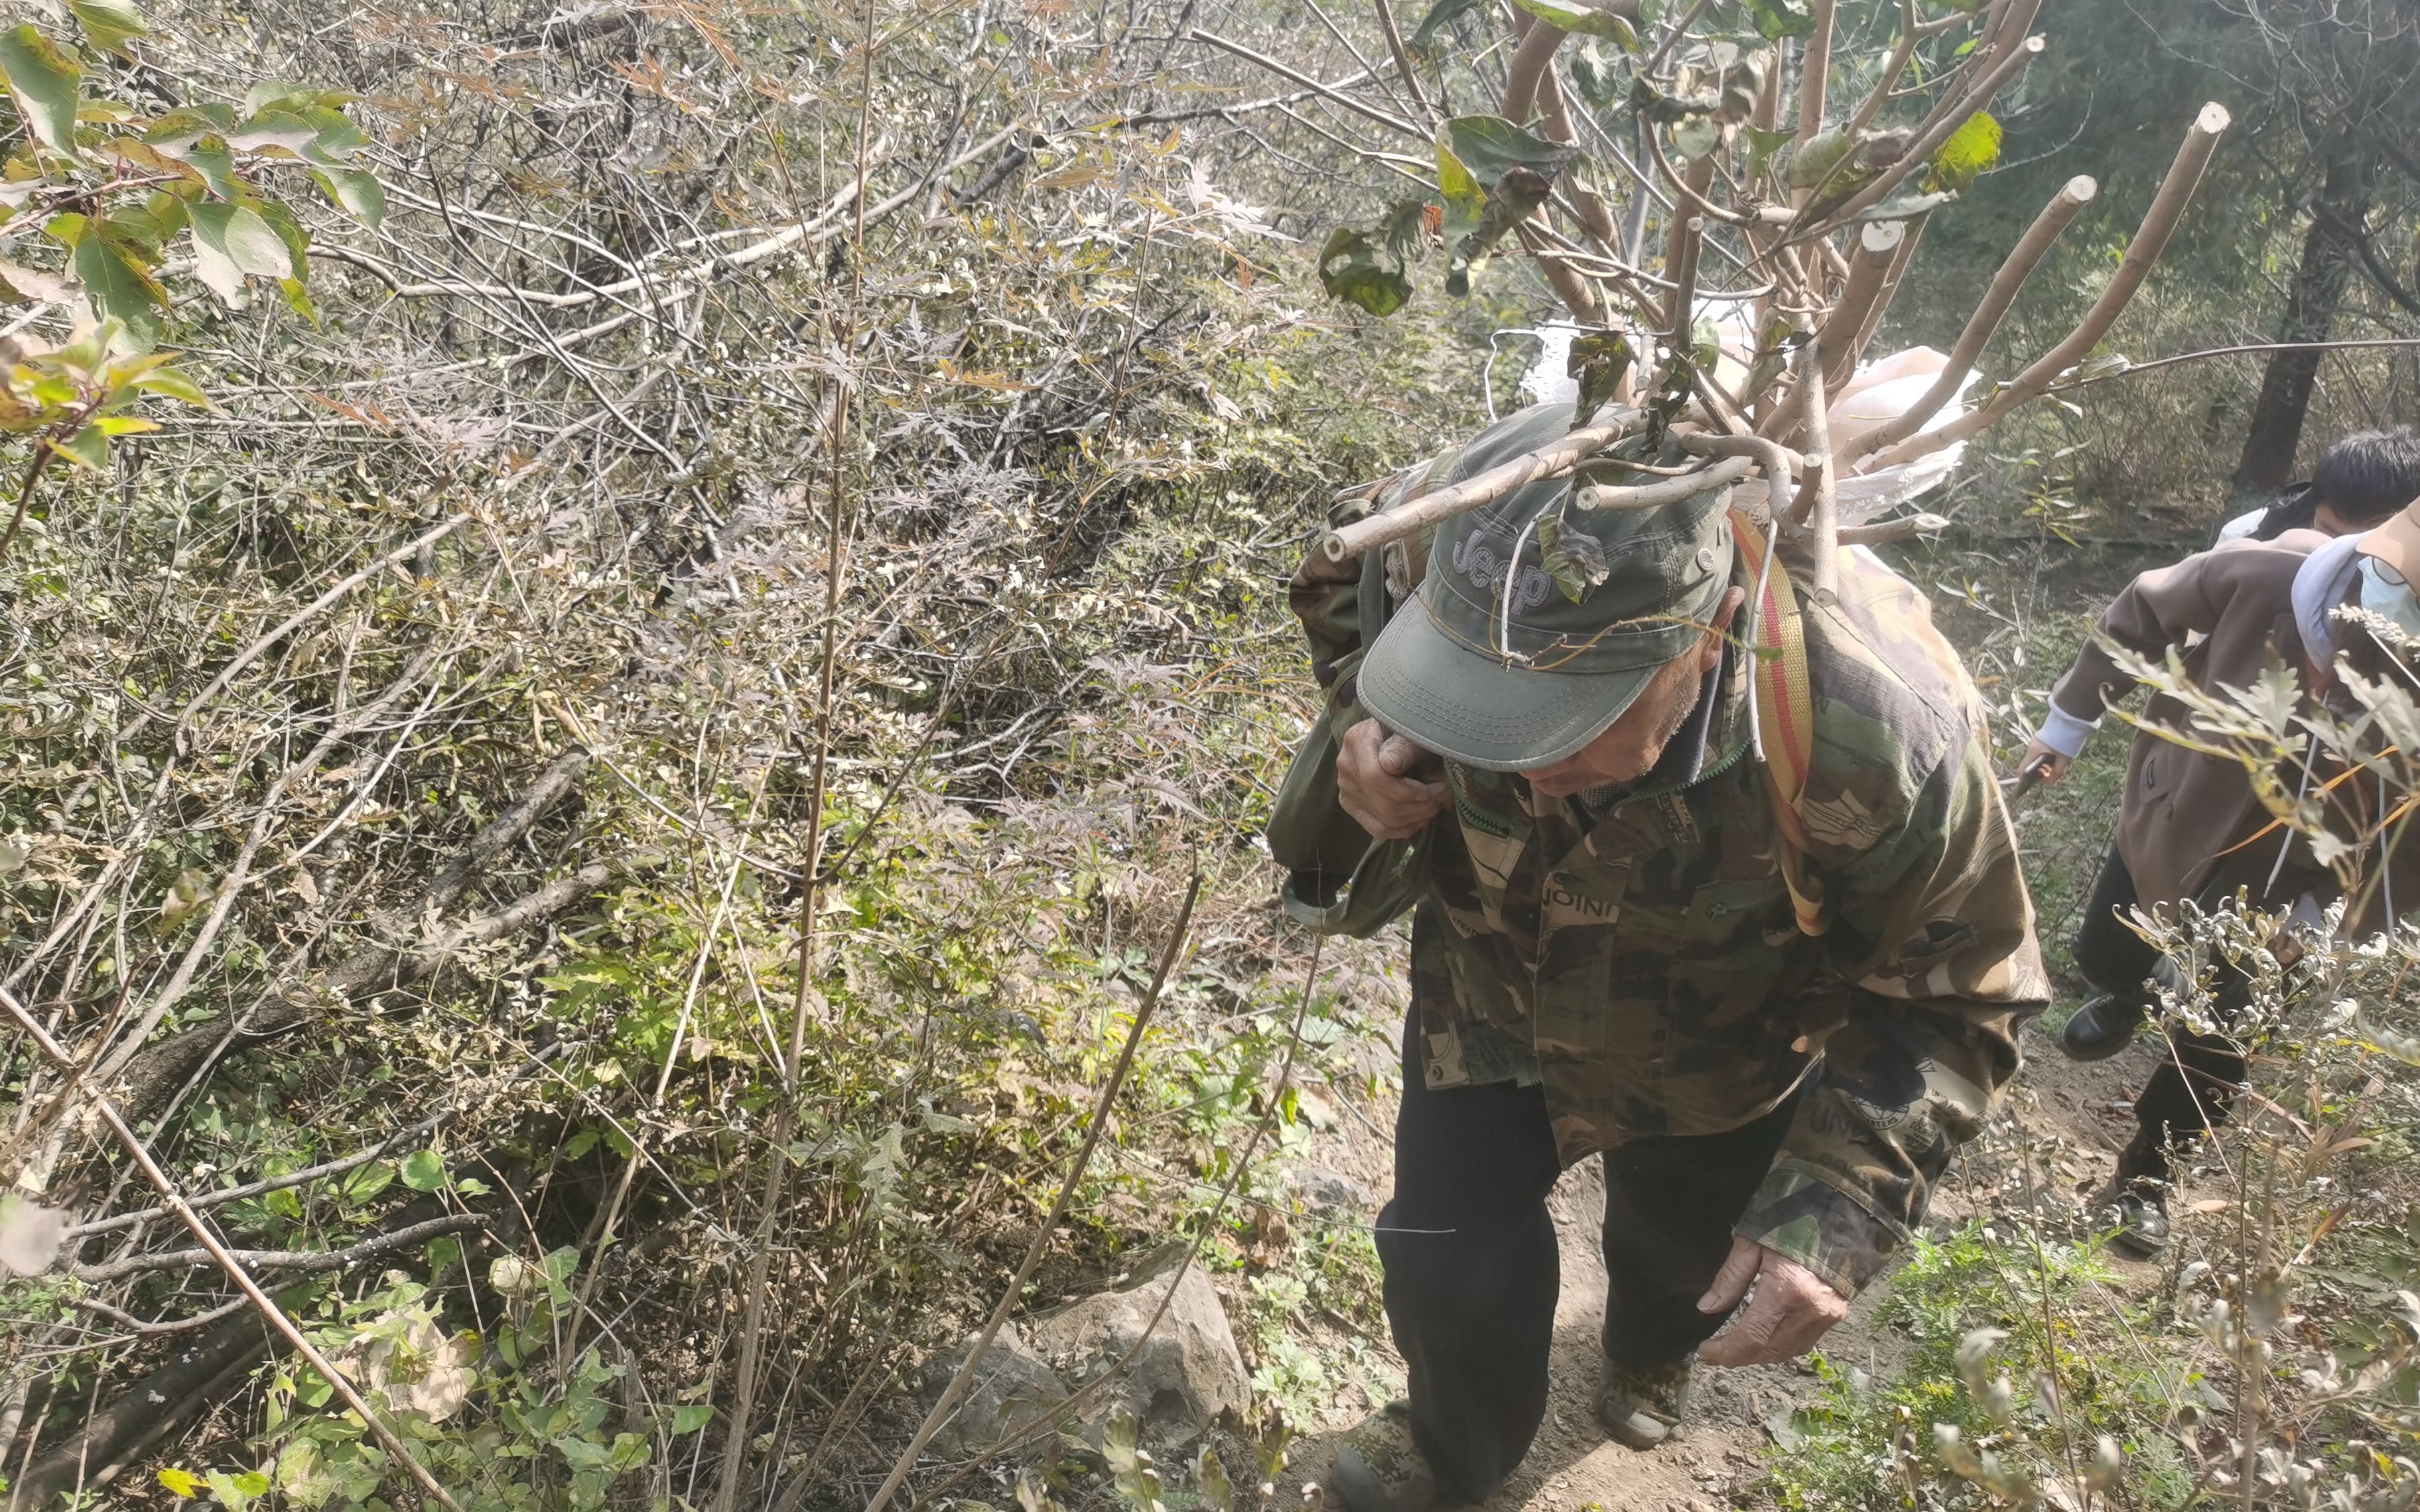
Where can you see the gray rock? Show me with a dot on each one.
(1011, 1384)
(1331, 1192)
(1186, 1375)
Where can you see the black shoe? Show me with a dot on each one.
(2100, 1029)
(2140, 1211)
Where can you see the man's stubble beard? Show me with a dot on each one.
(1677, 708)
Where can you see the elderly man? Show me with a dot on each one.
(1774, 974)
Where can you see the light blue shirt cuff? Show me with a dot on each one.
(2064, 732)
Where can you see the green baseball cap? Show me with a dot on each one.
(1493, 664)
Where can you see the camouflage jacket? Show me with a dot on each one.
(1636, 952)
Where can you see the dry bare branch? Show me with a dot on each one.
(2151, 238)
(1985, 320)
(1552, 462)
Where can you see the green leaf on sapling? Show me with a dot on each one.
(1598, 361)
(232, 242)
(1490, 145)
(298, 299)
(109, 24)
(1439, 17)
(1465, 199)
(88, 448)
(118, 280)
(1971, 152)
(42, 81)
(1356, 267)
(356, 192)
(171, 384)
(209, 155)
(339, 136)
(273, 133)
(1762, 144)
(1778, 19)
(1586, 19)
(188, 122)
(290, 230)
(1696, 138)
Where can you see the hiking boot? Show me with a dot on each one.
(1641, 1405)
(1380, 1468)
(2139, 1211)
(2100, 1029)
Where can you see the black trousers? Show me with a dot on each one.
(1472, 1270)
(2194, 1087)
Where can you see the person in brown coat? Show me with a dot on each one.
(2190, 825)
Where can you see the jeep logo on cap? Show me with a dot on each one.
(1477, 561)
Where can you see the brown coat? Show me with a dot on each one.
(2184, 810)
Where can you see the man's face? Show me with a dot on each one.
(1632, 744)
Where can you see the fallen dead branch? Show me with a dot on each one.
(306, 1262)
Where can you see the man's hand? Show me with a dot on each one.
(1792, 1308)
(1382, 781)
(2047, 764)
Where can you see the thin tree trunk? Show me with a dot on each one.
(2311, 304)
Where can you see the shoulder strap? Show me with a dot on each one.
(1782, 714)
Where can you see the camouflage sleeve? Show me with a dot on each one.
(1327, 597)
(1932, 940)
(1331, 598)
(1337, 879)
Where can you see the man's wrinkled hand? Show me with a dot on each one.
(1792, 1308)
(1388, 785)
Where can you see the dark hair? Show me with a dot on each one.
(2369, 474)
(2295, 510)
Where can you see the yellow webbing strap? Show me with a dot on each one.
(1785, 714)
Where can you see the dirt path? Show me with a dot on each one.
(2074, 1117)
